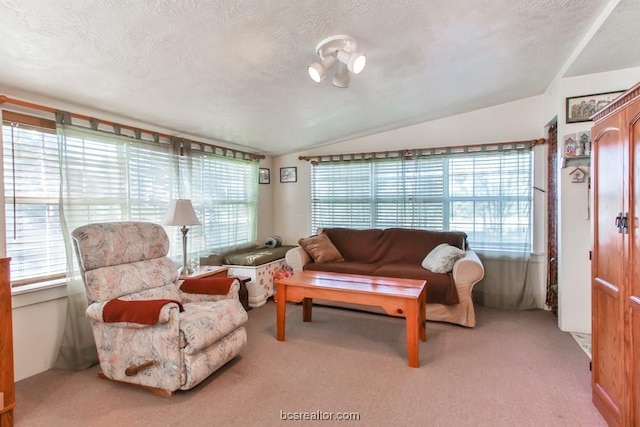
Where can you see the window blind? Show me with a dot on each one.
(31, 190)
(487, 195)
(225, 193)
(341, 195)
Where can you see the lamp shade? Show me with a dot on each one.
(180, 212)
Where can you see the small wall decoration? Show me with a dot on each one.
(581, 108)
(264, 176)
(577, 175)
(289, 174)
(584, 140)
(570, 145)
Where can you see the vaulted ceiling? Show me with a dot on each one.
(235, 71)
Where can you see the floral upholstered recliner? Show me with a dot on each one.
(150, 328)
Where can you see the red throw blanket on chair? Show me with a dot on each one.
(145, 312)
(208, 285)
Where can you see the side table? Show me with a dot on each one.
(207, 271)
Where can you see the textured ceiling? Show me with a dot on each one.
(615, 45)
(235, 71)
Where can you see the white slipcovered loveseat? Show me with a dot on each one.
(400, 252)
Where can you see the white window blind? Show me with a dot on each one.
(342, 195)
(31, 190)
(225, 193)
(109, 178)
(486, 195)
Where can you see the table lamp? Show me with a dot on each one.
(181, 213)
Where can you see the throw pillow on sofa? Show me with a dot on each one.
(321, 249)
(442, 258)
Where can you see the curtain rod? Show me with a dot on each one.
(7, 100)
(423, 152)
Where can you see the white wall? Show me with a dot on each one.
(38, 324)
(574, 225)
(265, 202)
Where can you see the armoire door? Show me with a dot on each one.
(608, 268)
(632, 297)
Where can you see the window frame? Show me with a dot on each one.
(46, 280)
(409, 173)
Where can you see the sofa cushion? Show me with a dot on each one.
(321, 249)
(202, 324)
(442, 258)
(255, 257)
(355, 245)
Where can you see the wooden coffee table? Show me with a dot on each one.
(397, 297)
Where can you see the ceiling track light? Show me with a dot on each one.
(342, 49)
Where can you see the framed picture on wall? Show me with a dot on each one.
(264, 176)
(581, 108)
(289, 174)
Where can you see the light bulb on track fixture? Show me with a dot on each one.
(355, 61)
(318, 70)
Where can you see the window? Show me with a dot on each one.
(228, 212)
(111, 178)
(487, 195)
(31, 189)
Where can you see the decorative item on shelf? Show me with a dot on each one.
(570, 145)
(264, 176)
(289, 174)
(181, 213)
(577, 149)
(581, 108)
(584, 139)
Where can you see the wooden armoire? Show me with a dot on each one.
(7, 389)
(616, 260)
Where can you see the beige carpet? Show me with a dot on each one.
(515, 369)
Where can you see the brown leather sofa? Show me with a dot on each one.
(399, 252)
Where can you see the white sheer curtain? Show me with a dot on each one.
(103, 178)
(507, 283)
